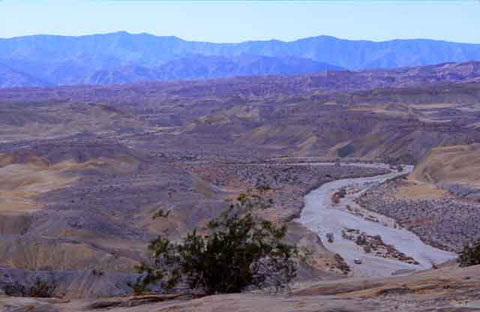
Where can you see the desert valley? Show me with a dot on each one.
(375, 172)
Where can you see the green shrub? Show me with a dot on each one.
(239, 251)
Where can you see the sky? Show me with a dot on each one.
(236, 21)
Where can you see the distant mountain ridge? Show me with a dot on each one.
(12, 78)
(209, 67)
(44, 60)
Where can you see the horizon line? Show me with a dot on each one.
(237, 42)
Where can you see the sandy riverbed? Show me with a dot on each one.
(322, 216)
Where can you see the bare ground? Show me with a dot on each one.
(445, 289)
(440, 219)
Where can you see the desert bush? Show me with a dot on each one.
(41, 289)
(161, 214)
(339, 195)
(15, 290)
(470, 255)
(239, 251)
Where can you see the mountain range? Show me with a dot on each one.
(115, 58)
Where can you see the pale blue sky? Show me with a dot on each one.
(234, 21)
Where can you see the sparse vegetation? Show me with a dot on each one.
(443, 220)
(161, 214)
(41, 289)
(339, 195)
(239, 251)
(346, 150)
(470, 255)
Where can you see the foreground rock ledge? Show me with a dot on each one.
(447, 289)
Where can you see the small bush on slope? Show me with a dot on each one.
(240, 251)
(41, 289)
(470, 255)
